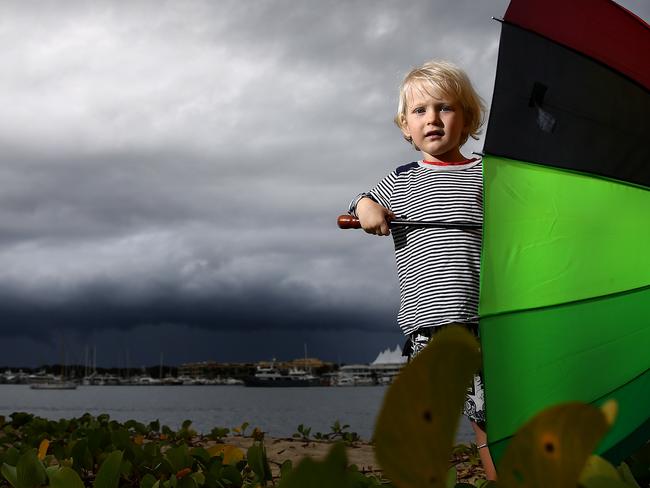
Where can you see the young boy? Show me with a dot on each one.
(438, 269)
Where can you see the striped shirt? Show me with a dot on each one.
(438, 269)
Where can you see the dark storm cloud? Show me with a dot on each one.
(181, 165)
(98, 306)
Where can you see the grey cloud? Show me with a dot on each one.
(184, 163)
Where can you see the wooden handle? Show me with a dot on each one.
(348, 222)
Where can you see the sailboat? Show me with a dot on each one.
(43, 381)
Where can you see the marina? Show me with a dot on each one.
(304, 372)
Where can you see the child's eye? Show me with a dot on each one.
(446, 108)
(419, 110)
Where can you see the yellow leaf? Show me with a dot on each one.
(597, 466)
(553, 447)
(417, 423)
(231, 454)
(42, 449)
(138, 440)
(215, 450)
(610, 410)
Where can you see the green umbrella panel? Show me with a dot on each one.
(565, 279)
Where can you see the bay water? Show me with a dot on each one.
(276, 411)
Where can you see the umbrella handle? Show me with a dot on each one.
(348, 222)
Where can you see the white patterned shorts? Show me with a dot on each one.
(474, 408)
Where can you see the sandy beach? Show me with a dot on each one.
(360, 453)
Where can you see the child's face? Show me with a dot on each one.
(435, 122)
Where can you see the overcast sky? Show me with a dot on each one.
(172, 171)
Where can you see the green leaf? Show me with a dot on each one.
(150, 451)
(108, 475)
(199, 478)
(18, 419)
(553, 447)
(231, 475)
(627, 476)
(64, 477)
(451, 477)
(81, 455)
(286, 468)
(332, 472)
(147, 481)
(201, 454)
(136, 426)
(603, 482)
(98, 440)
(9, 473)
(485, 484)
(154, 426)
(30, 470)
(126, 468)
(215, 468)
(121, 438)
(258, 462)
(12, 456)
(417, 423)
(179, 458)
(219, 432)
(187, 482)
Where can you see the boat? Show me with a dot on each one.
(355, 375)
(271, 376)
(54, 385)
(344, 380)
(47, 381)
(146, 381)
(232, 381)
(171, 381)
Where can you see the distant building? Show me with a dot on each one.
(389, 356)
(387, 365)
(212, 369)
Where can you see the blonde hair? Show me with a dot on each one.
(452, 81)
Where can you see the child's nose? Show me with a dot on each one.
(434, 117)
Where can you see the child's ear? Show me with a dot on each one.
(403, 126)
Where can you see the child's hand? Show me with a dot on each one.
(373, 217)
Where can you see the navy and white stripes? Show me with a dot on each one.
(438, 269)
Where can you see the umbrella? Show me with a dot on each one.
(565, 278)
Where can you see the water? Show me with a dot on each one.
(276, 411)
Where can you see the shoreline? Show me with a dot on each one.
(359, 453)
